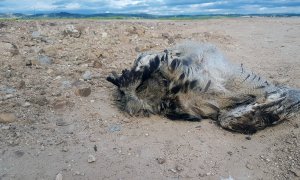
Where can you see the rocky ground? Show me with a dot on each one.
(58, 118)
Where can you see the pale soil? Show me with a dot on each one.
(47, 139)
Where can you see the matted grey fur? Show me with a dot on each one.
(193, 81)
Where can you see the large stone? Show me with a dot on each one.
(7, 117)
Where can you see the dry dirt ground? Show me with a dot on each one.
(56, 129)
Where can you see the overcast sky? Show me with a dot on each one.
(159, 7)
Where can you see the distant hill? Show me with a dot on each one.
(132, 16)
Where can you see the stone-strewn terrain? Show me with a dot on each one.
(58, 117)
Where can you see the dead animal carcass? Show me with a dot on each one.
(192, 81)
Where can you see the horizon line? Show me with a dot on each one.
(200, 14)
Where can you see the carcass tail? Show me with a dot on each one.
(280, 104)
(283, 102)
(290, 105)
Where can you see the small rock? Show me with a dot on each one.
(59, 176)
(60, 104)
(26, 104)
(9, 96)
(165, 35)
(202, 174)
(178, 36)
(249, 166)
(97, 64)
(114, 128)
(227, 178)
(77, 173)
(179, 168)
(140, 31)
(91, 158)
(173, 170)
(40, 100)
(8, 49)
(19, 153)
(230, 153)
(8, 90)
(95, 148)
(28, 62)
(83, 91)
(72, 31)
(21, 84)
(87, 75)
(92, 138)
(171, 40)
(43, 92)
(7, 117)
(142, 48)
(49, 71)
(14, 142)
(8, 74)
(5, 127)
(66, 84)
(50, 51)
(209, 174)
(35, 34)
(127, 120)
(91, 56)
(44, 60)
(296, 172)
(2, 25)
(65, 149)
(57, 78)
(61, 122)
(52, 24)
(248, 137)
(104, 35)
(161, 160)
